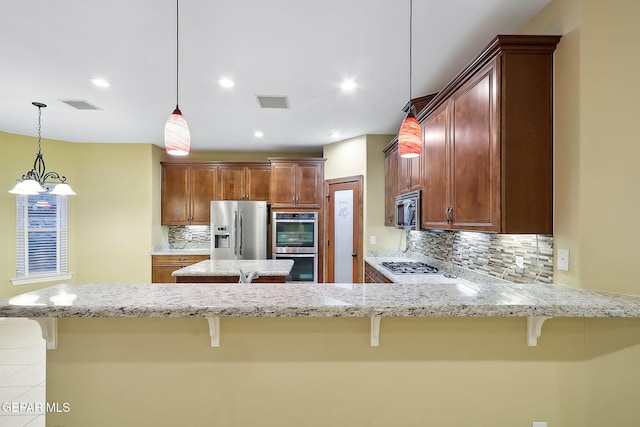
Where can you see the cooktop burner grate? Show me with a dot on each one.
(409, 267)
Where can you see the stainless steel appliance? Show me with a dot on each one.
(408, 210)
(295, 236)
(409, 267)
(239, 229)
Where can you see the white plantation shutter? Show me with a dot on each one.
(41, 235)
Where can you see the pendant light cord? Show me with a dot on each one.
(177, 50)
(410, 52)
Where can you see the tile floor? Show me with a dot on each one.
(22, 372)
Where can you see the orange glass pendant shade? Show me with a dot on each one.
(410, 137)
(177, 139)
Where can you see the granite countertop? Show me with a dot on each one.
(264, 267)
(165, 250)
(318, 300)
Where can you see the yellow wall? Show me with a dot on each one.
(115, 210)
(597, 197)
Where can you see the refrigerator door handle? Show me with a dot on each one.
(241, 217)
(235, 233)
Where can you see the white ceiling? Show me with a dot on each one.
(297, 48)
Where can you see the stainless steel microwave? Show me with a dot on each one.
(408, 210)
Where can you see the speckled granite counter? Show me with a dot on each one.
(219, 267)
(175, 251)
(309, 300)
(226, 271)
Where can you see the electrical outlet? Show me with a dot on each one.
(372, 240)
(519, 261)
(189, 237)
(563, 259)
(539, 424)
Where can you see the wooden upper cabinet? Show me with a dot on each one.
(257, 182)
(409, 176)
(489, 136)
(232, 182)
(390, 183)
(204, 180)
(187, 191)
(435, 169)
(475, 155)
(297, 182)
(176, 198)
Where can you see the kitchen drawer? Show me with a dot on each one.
(163, 265)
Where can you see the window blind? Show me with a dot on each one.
(41, 235)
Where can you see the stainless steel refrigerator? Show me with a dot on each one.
(239, 229)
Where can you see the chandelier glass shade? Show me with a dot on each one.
(410, 134)
(177, 140)
(33, 182)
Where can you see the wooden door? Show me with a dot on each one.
(282, 189)
(390, 186)
(257, 182)
(344, 245)
(435, 169)
(475, 155)
(176, 201)
(232, 183)
(204, 180)
(309, 177)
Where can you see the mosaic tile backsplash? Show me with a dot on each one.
(492, 254)
(185, 236)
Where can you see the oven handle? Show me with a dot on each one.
(289, 255)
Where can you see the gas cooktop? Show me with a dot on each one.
(409, 267)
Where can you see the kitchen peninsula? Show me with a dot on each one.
(228, 271)
(148, 351)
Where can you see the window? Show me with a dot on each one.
(41, 238)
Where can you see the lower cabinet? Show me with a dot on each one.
(163, 265)
(371, 275)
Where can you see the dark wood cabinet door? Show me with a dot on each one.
(309, 177)
(175, 195)
(258, 182)
(390, 185)
(204, 180)
(283, 184)
(475, 155)
(232, 183)
(409, 177)
(435, 169)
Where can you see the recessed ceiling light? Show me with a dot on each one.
(100, 82)
(334, 134)
(348, 85)
(226, 83)
(258, 134)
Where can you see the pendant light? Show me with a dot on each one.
(33, 182)
(177, 140)
(410, 135)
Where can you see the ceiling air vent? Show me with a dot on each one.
(273, 101)
(80, 104)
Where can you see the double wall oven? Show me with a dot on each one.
(295, 236)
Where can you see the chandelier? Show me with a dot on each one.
(33, 182)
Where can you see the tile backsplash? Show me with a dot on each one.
(492, 254)
(189, 235)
